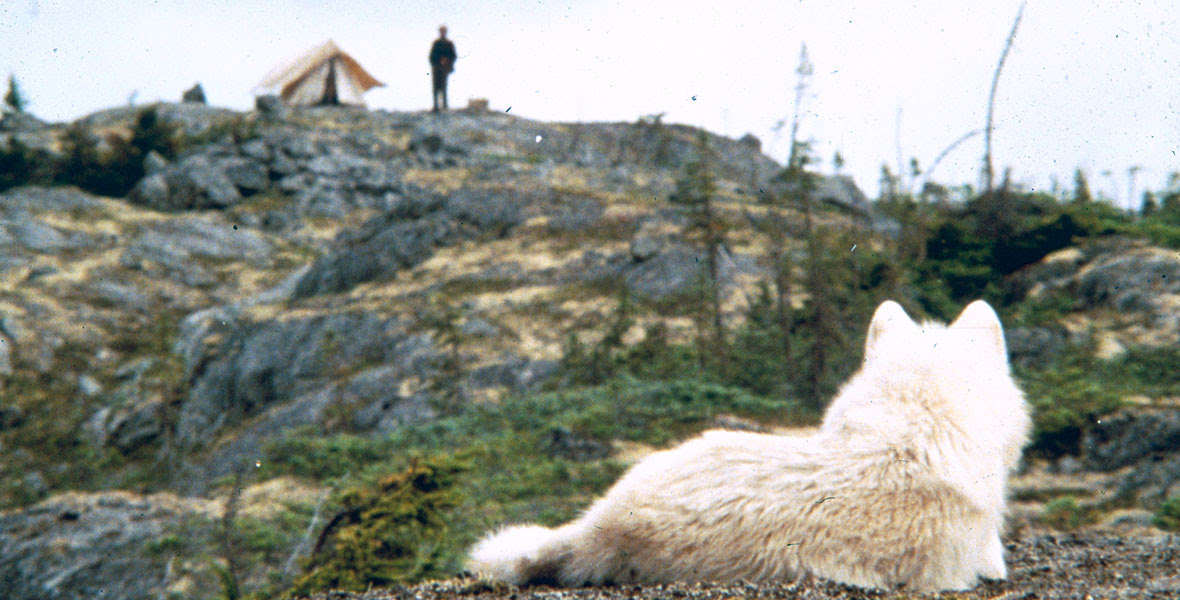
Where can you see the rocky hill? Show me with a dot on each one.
(285, 271)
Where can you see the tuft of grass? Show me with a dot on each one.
(1167, 517)
(165, 544)
(1065, 514)
(1049, 494)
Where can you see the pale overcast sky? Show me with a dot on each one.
(1090, 83)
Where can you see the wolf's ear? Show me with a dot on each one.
(890, 316)
(983, 326)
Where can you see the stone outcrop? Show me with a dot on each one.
(93, 546)
(1131, 290)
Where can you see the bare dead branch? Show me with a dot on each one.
(989, 171)
(929, 171)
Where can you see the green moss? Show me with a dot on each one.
(391, 533)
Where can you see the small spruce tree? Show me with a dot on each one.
(595, 365)
(1150, 206)
(820, 322)
(442, 318)
(696, 191)
(13, 99)
(1081, 188)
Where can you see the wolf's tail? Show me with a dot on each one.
(520, 555)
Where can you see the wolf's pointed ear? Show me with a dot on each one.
(890, 316)
(981, 322)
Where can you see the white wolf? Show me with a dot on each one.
(904, 484)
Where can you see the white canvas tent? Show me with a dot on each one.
(323, 75)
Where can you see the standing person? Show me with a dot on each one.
(442, 63)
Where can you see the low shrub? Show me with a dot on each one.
(1065, 514)
(21, 164)
(1145, 370)
(1168, 515)
(1065, 401)
(391, 533)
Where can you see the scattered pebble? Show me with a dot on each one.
(1091, 564)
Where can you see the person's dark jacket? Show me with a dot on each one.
(442, 55)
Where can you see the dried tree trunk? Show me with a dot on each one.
(989, 170)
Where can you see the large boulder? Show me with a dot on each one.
(93, 546)
(188, 249)
(20, 121)
(481, 212)
(408, 233)
(212, 178)
(135, 414)
(383, 251)
(271, 107)
(841, 191)
(57, 199)
(256, 366)
(678, 269)
(1134, 286)
(23, 227)
(195, 94)
(1134, 280)
(1035, 346)
(669, 274)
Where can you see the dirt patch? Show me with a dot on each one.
(1091, 564)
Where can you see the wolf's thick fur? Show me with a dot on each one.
(904, 484)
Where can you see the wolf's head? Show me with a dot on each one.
(944, 388)
(976, 335)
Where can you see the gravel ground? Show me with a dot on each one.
(1091, 564)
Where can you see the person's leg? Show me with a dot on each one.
(435, 88)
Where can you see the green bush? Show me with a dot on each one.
(1066, 400)
(1157, 232)
(392, 533)
(654, 412)
(1069, 396)
(165, 544)
(1064, 513)
(114, 169)
(1037, 240)
(969, 250)
(22, 165)
(1168, 515)
(1046, 309)
(1144, 370)
(759, 349)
